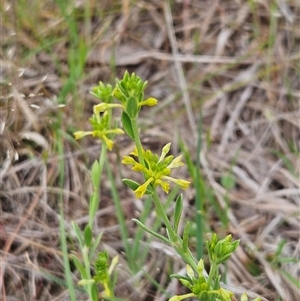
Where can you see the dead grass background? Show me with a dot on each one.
(235, 61)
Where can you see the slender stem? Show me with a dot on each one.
(199, 195)
(174, 237)
(102, 159)
(212, 273)
(86, 260)
(162, 214)
(120, 217)
(137, 140)
(62, 228)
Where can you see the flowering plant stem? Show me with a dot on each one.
(95, 204)
(174, 239)
(137, 140)
(212, 273)
(156, 170)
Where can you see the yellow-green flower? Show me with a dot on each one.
(102, 107)
(181, 297)
(80, 134)
(150, 102)
(104, 272)
(100, 130)
(156, 170)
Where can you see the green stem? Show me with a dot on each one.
(120, 216)
(102, 159)
(212, 273)
(137, 140)
(86, 260)
(175, 239)
(62, 229)
(162, 214)
(199, 196)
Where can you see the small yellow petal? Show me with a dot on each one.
(139, 167)
(190, 271)
(81, 134)
(200, 266)
(179, 298)
(116, 131)
(107, 289)
(108, 142)
(135, 152)
(164, 151)
(164, 185)
(114, 262)
(176, 162)
(102, 107)
(183, 183)
(226, 294)
(128, 160)
(140, 191)
(180, 182)
(151, 101)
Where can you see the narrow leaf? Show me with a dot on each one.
(132, 107)
(95, 175)
(95, 245)
(178, 212)
(79, 267)
(133, 185)
(127, 125)
(185, 238)
(94, 292)
(88, 236)
(78, 234)
(152, 232)
(93, 204)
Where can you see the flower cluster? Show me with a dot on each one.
(200, 287)
(101, 129)
(103, 271)
(156, 170)
(220, 250)
(130, 93)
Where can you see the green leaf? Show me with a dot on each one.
(132, 107)
(78, 234)
(88, 236)
(185, 237)
(95, 245)
(185, 280)
(152, 232)
(79, 267)
(178, 212)
(217, 283)
(94, 292)
(127, 125)
(95, 175)
(93, 204)
(133, 185)
(179, 276)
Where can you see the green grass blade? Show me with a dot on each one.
(120, 217)
(62, 229)
(194, 170)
